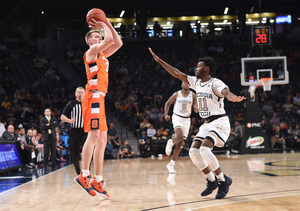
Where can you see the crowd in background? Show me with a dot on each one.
(139, 87)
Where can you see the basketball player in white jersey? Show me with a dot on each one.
(210, 94)
(184, 101)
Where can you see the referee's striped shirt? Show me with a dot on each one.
(73, 109)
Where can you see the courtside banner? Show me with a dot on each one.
(255, 142)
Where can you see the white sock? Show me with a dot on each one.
(85, 173)
(172, 162)
(221, 177)
(210, 176)
(98, 178)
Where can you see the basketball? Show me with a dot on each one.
(96, 14)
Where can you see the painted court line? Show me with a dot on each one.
(233, 202)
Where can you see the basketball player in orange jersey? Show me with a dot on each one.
(210, 93)
(96, 63)
(184, 101)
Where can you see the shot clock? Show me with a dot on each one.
(261, 35)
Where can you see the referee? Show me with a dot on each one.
(72, 114)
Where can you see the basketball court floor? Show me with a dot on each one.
(260, 182)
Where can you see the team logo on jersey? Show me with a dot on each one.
(94, 124)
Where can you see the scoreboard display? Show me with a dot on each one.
(261, 35)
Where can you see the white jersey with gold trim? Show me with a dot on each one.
(183, 105)
(210, 101)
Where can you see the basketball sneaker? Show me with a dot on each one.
(85, 184)
(99, 187)
(210, 187)
(169, 147)
(223, 187)
(171, 169)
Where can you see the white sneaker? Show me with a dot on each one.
(227, 152)
(171, 179)
(169, 147)
(171, 169)
(292, 151)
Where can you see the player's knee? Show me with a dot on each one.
(193, 152)
(204, 151)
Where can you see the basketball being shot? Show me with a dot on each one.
(95, 15)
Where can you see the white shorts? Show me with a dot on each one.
(182, 122)
(218, 130)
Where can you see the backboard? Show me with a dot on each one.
(255, 68)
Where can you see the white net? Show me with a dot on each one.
(267, 83)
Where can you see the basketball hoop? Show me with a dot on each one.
(267, 83)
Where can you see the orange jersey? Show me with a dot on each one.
(97, 73)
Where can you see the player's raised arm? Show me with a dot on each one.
(97, 46)
(232, 97)
(172, 70)
(117, 42)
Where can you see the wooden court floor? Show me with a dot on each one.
(260, 182)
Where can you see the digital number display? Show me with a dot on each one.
(261, 35)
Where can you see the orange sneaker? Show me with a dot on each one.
(85, 183)
(99, 187)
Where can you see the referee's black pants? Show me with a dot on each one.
(77, 137)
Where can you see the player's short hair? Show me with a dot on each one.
(210, 62)
(87, 36)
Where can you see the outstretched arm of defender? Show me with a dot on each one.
(232, 97)
(172, 70)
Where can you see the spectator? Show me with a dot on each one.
(2, 127)
(125, 150)
(268, 108)
(293, 134)
(145, 124)
(147, 150)
(275, 119)
(63, 128)
(142, 140)
(5, 103)
(151, 131)
(133, 97)
(288, 106)
(113, 137)
(296, 99)
(161, 113)
(153, 116)
(160, 140)
(59, 148)
(278, 138)
(2, 91)
(39, 147)
(235, 139)
(157, 29)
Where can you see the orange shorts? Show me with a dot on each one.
(93, 111)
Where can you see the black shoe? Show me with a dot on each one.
(210, 187)
(223, 187)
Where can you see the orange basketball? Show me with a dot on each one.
(96, 14)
